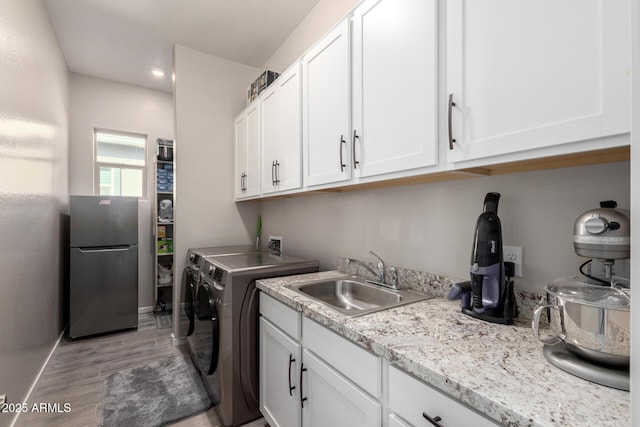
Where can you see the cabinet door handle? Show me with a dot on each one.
(302, 399)
(451, 105)
(291, 387)
(342, 165)
(434, 421)
(355, 162)
(273, 171)
(277, 172)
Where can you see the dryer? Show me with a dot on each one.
(224, 343)
(191, 278)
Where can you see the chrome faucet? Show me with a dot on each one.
(380, 273)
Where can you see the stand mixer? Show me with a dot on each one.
(603, 234)
(591, 322)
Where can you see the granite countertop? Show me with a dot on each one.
(498, 370)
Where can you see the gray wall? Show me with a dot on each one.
(104, 104)
(429, 227)
(324, 15)
(209, 93)
(33, 193)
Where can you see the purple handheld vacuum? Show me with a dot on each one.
(489, 294)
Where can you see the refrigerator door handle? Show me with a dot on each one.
(109, 249)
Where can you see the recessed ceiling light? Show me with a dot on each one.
(158, 73)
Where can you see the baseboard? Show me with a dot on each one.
(35, 381)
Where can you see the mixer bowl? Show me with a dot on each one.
(593, 321)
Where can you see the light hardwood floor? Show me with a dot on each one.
(76, 372)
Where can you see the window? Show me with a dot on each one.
(120, 164)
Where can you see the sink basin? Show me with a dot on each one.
(356, 297)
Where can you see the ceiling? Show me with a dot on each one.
(123, 40)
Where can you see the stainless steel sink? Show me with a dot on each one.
(353, 296)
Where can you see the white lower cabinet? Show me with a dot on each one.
(396, 421)
(312, 377)
(279, 365)
(330, 399)
(363, 368)
(414, 401)
(297, 387)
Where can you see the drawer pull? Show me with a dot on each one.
(273, 176)
(291, 387)
(342, 165)
(434, 421)
(355, 162)
(302, 399)
(451, 105)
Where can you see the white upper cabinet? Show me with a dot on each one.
(326, 109)
(373, 100)
(281, 133)
(240, 144)
(247, 152)
(533, 74)
(394, 86)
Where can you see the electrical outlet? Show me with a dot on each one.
(3, 399)
(513, 254)
(275, 244)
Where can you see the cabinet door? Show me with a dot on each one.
(281, 133)
(363, 369)
(329, 399)
(241, 151)
(326, 109)
(526, 75)
(270, 138)
(394, 85)
(279, 368)
(396, 421)
(252, 179)
(289, 167)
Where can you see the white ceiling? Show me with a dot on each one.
(123, 40)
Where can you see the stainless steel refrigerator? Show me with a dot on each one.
(103, 289)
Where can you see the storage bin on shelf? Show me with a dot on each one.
(165, 245)
(164, 178)
(165, 274)
(165, 210)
